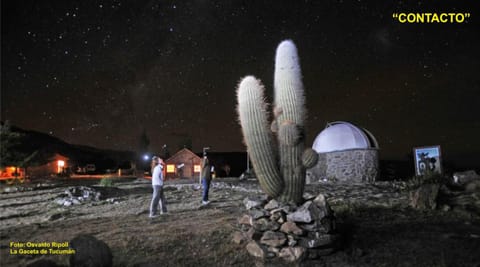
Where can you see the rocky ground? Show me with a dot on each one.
(377, 224)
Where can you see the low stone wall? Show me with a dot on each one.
(357, 165)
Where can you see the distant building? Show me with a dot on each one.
(56, 165)
(11, 172)
(183, 164)
(346, 153)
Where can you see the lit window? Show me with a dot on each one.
(60, 166)
(196, 168)
(170, 168)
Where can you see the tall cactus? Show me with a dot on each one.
(281, 170)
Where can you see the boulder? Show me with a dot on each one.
(90, 252)
(462, 178)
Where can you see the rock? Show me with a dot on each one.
(291, 241)
(274, 251)
(59, 201)
(90, 252)
(273, 239)
(323, 205)
(318, 239)
(472, 186)
(425, 197)
(279, 216)
(256, 250)
(307, 213)
(292, 254)
(251, 203)
(284, 208)
(257, 214)
(253, 234)
(272, 204)
(325, 225)
(246, 220)
(264, 224)
(308, 196)
(291, 228)
(239, 238)
(462, 178)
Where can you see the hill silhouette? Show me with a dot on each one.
(47, 146)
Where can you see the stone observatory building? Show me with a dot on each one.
(346, 153)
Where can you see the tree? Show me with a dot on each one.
(10, 152)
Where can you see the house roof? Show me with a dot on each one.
(181, 152)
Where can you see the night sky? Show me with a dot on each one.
(98, 73)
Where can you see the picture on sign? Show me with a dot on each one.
(427, 160)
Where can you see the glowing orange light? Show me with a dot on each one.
(196, 168)
(170, 168)
(60, 166)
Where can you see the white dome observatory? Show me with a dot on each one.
(345, 153)
(339, 136)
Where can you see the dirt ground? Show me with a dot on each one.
(192, 235)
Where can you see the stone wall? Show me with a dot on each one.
(356, 165)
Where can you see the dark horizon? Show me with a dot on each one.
(101, 73)
(401, 165)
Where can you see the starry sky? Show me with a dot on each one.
(99, 73)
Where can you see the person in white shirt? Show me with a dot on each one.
(157, 184)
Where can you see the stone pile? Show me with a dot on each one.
(77, 195)
(272, 229)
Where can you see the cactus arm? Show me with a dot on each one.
(309, 158)
(254, 121)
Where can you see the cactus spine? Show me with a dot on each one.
(280, 171)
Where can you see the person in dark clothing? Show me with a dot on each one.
(206, 178)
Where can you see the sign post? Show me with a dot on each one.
(427, 160)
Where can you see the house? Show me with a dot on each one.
(56, 165)
(183, 164)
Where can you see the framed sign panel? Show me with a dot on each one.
(427, 159)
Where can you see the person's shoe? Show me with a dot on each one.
(164, 213)
(205, 202)
(153, 216)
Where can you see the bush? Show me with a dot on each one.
(106, 182)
